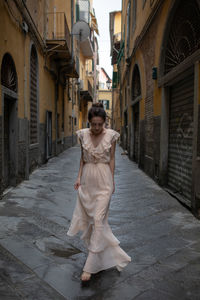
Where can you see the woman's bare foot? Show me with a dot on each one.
(85, 276)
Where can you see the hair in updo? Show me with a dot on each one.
(97, 110)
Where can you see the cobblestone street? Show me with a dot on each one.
(39, 261)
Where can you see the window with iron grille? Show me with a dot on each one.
(8, 73)
(184, 36)
(33, 96)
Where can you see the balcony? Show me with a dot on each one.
(58, 37)
(83, 14)
(87, 48)
(70, 68)
(58, 42)
(86, 90)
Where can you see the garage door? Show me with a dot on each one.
(181, 138)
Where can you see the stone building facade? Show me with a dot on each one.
(115, 46)
(40, 101)
(159, 70)
(104, 94)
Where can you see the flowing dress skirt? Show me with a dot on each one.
(91, 217)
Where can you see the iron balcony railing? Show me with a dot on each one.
(57, 28)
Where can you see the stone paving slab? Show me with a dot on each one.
(39, 261)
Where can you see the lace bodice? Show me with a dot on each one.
(101, 153)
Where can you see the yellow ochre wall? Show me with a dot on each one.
(117, 23)
(21, 43)
(142, 17)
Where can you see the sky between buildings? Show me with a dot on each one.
(102, 10)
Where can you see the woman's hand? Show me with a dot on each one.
(77, 183)
(113, 187)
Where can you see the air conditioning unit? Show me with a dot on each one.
(81, 84)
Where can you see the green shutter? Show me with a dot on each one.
(77, 12)
(121, 53)
(114, 80)
(107, 104)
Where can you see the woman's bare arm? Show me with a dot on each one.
(112, 162)
(78, 180)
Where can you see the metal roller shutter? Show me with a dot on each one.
(181, 138)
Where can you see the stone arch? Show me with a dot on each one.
(9, 134)
(8, 73)
(136, 83)
(180, 46)
(181, 36)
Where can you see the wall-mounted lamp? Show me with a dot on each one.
(108, 84)
(154, 73)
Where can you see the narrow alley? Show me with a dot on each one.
(39, 261)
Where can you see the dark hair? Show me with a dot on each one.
(97, 110)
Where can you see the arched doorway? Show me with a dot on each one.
(182, 41)
(136, 97)
(10, 125)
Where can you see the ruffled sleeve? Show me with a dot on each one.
(115, 136)
(79, 133)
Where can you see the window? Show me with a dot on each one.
(101, 85)
(184, 35)
(106, 103)
(8, 73)
(83, 10)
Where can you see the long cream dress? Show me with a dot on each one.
(91, 212)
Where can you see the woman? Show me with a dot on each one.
(95, 185)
